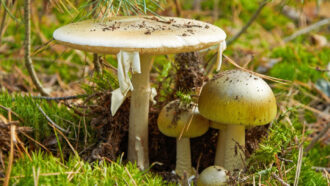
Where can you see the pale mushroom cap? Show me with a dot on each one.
(213, 176)
(238, 97)
(198, 126)
(144, 34)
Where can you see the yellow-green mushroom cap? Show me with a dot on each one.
(172, 120)
(237, 97)
(213, 176)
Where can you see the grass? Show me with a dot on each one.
(77, 172)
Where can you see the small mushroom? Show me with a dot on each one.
(237, 99)
(213, 176)
(135, 40)
(173, 121)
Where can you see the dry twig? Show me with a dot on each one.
(316, 138)
(248, 24)
(308, 29)
(27, 48)
(280, 180)
(50, 120)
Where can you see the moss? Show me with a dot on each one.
(298, 63)
(26, 108)
(77, 172)
(282, 141)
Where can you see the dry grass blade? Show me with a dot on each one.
(278, 80)
(11, 152)
(130, 176)
(12, 112)
(35, 141)
(316, 138)
(36, 175)
(300, 158)
(321, 114)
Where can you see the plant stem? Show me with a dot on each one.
(138, 118)
(27, 48)
(235, 139)
(183, 157)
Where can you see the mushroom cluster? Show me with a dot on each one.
(135, 40)
(230, 102)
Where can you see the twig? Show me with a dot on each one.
(50, 120)
(307, 29)
(299, 162)
(27, 48)
(280, 180)
(319, 169)
(12, 112)
(60, 98)
(35, 141)
(316, 138)
(248, 24)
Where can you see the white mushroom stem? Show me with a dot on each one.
(235, 140)
(138, 118)
(220, 150)
(183, 157)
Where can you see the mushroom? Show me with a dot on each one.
(135, 40)
(173, 121)
(236, 99)
(213, 176)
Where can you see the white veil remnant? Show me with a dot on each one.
(222, 46)
(126, 61)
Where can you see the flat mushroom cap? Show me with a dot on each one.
(213, 176)
(171, 121)
(238, 97)
(143, 34)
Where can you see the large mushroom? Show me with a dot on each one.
(236, 99)
(181, 120)
(136, 40)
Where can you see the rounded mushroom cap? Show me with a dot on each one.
(144, 34)
(213, 176)
(237, 97)
(172, 120)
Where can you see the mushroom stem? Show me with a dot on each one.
(138, 118)
(183, 157)
(235, 140)
(220, 151)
